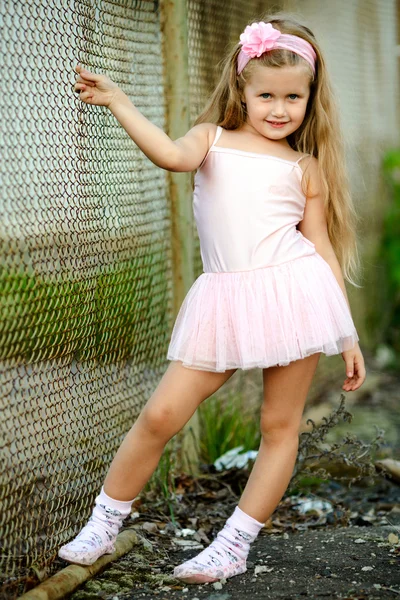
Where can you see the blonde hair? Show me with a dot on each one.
(318, 135)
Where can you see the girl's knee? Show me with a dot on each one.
(276, 431)
(157, 419)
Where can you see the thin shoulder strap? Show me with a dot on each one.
(217, 135)
(216, 138)
(301, 158)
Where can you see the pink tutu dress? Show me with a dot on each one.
(266, 296)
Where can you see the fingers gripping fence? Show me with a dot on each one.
(85, 271)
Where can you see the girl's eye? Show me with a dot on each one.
(293, 96)
(265, 94)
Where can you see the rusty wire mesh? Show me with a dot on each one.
(85, 270)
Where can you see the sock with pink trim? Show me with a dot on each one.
(100, 532)
(226, 555)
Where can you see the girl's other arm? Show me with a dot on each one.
(314, 226)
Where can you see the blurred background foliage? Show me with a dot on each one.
(383, 291)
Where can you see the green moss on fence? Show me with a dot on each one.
(100, 318)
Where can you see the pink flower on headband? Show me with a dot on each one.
(258, 38)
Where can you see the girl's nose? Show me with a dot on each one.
(278, 110)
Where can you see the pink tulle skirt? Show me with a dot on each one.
(263, 317)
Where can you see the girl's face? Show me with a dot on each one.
(276, 100)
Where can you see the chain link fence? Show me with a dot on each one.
(85, 271)
(86, 279)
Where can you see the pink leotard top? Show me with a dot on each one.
(246, 206)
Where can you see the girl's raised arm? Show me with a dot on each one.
(183, 154)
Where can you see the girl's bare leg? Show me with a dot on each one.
(285, 393)
(175, 400)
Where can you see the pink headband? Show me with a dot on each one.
(261, 37)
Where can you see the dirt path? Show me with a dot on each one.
(327, 564)
(351, 552)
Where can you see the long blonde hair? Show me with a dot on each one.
(318, 135)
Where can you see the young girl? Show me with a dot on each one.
(274, 217)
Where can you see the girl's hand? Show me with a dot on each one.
(95, 89)
(355, 369)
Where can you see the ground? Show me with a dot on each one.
(308, 556)
(347, 548)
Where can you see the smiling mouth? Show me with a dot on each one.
(278, 122)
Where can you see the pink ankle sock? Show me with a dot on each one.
(226, 555)
(100, 532)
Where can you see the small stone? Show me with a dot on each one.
(150, 527)
(377, 586)
(326, 572)
(188, 544)
(185, 532)
(393, 538)
(367, 568)
(185, 590)
(170, 529)
(217, 585)
(262, 569)
(299, 548)
(360, 541)
(292, 581)
(285, 536)
(146, 544)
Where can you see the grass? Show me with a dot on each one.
(225, 424)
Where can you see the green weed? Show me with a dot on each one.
(225, 424)
(387, 322)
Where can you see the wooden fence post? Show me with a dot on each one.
(176, 84)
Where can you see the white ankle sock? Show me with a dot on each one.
(99, 534)
(226, 555)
